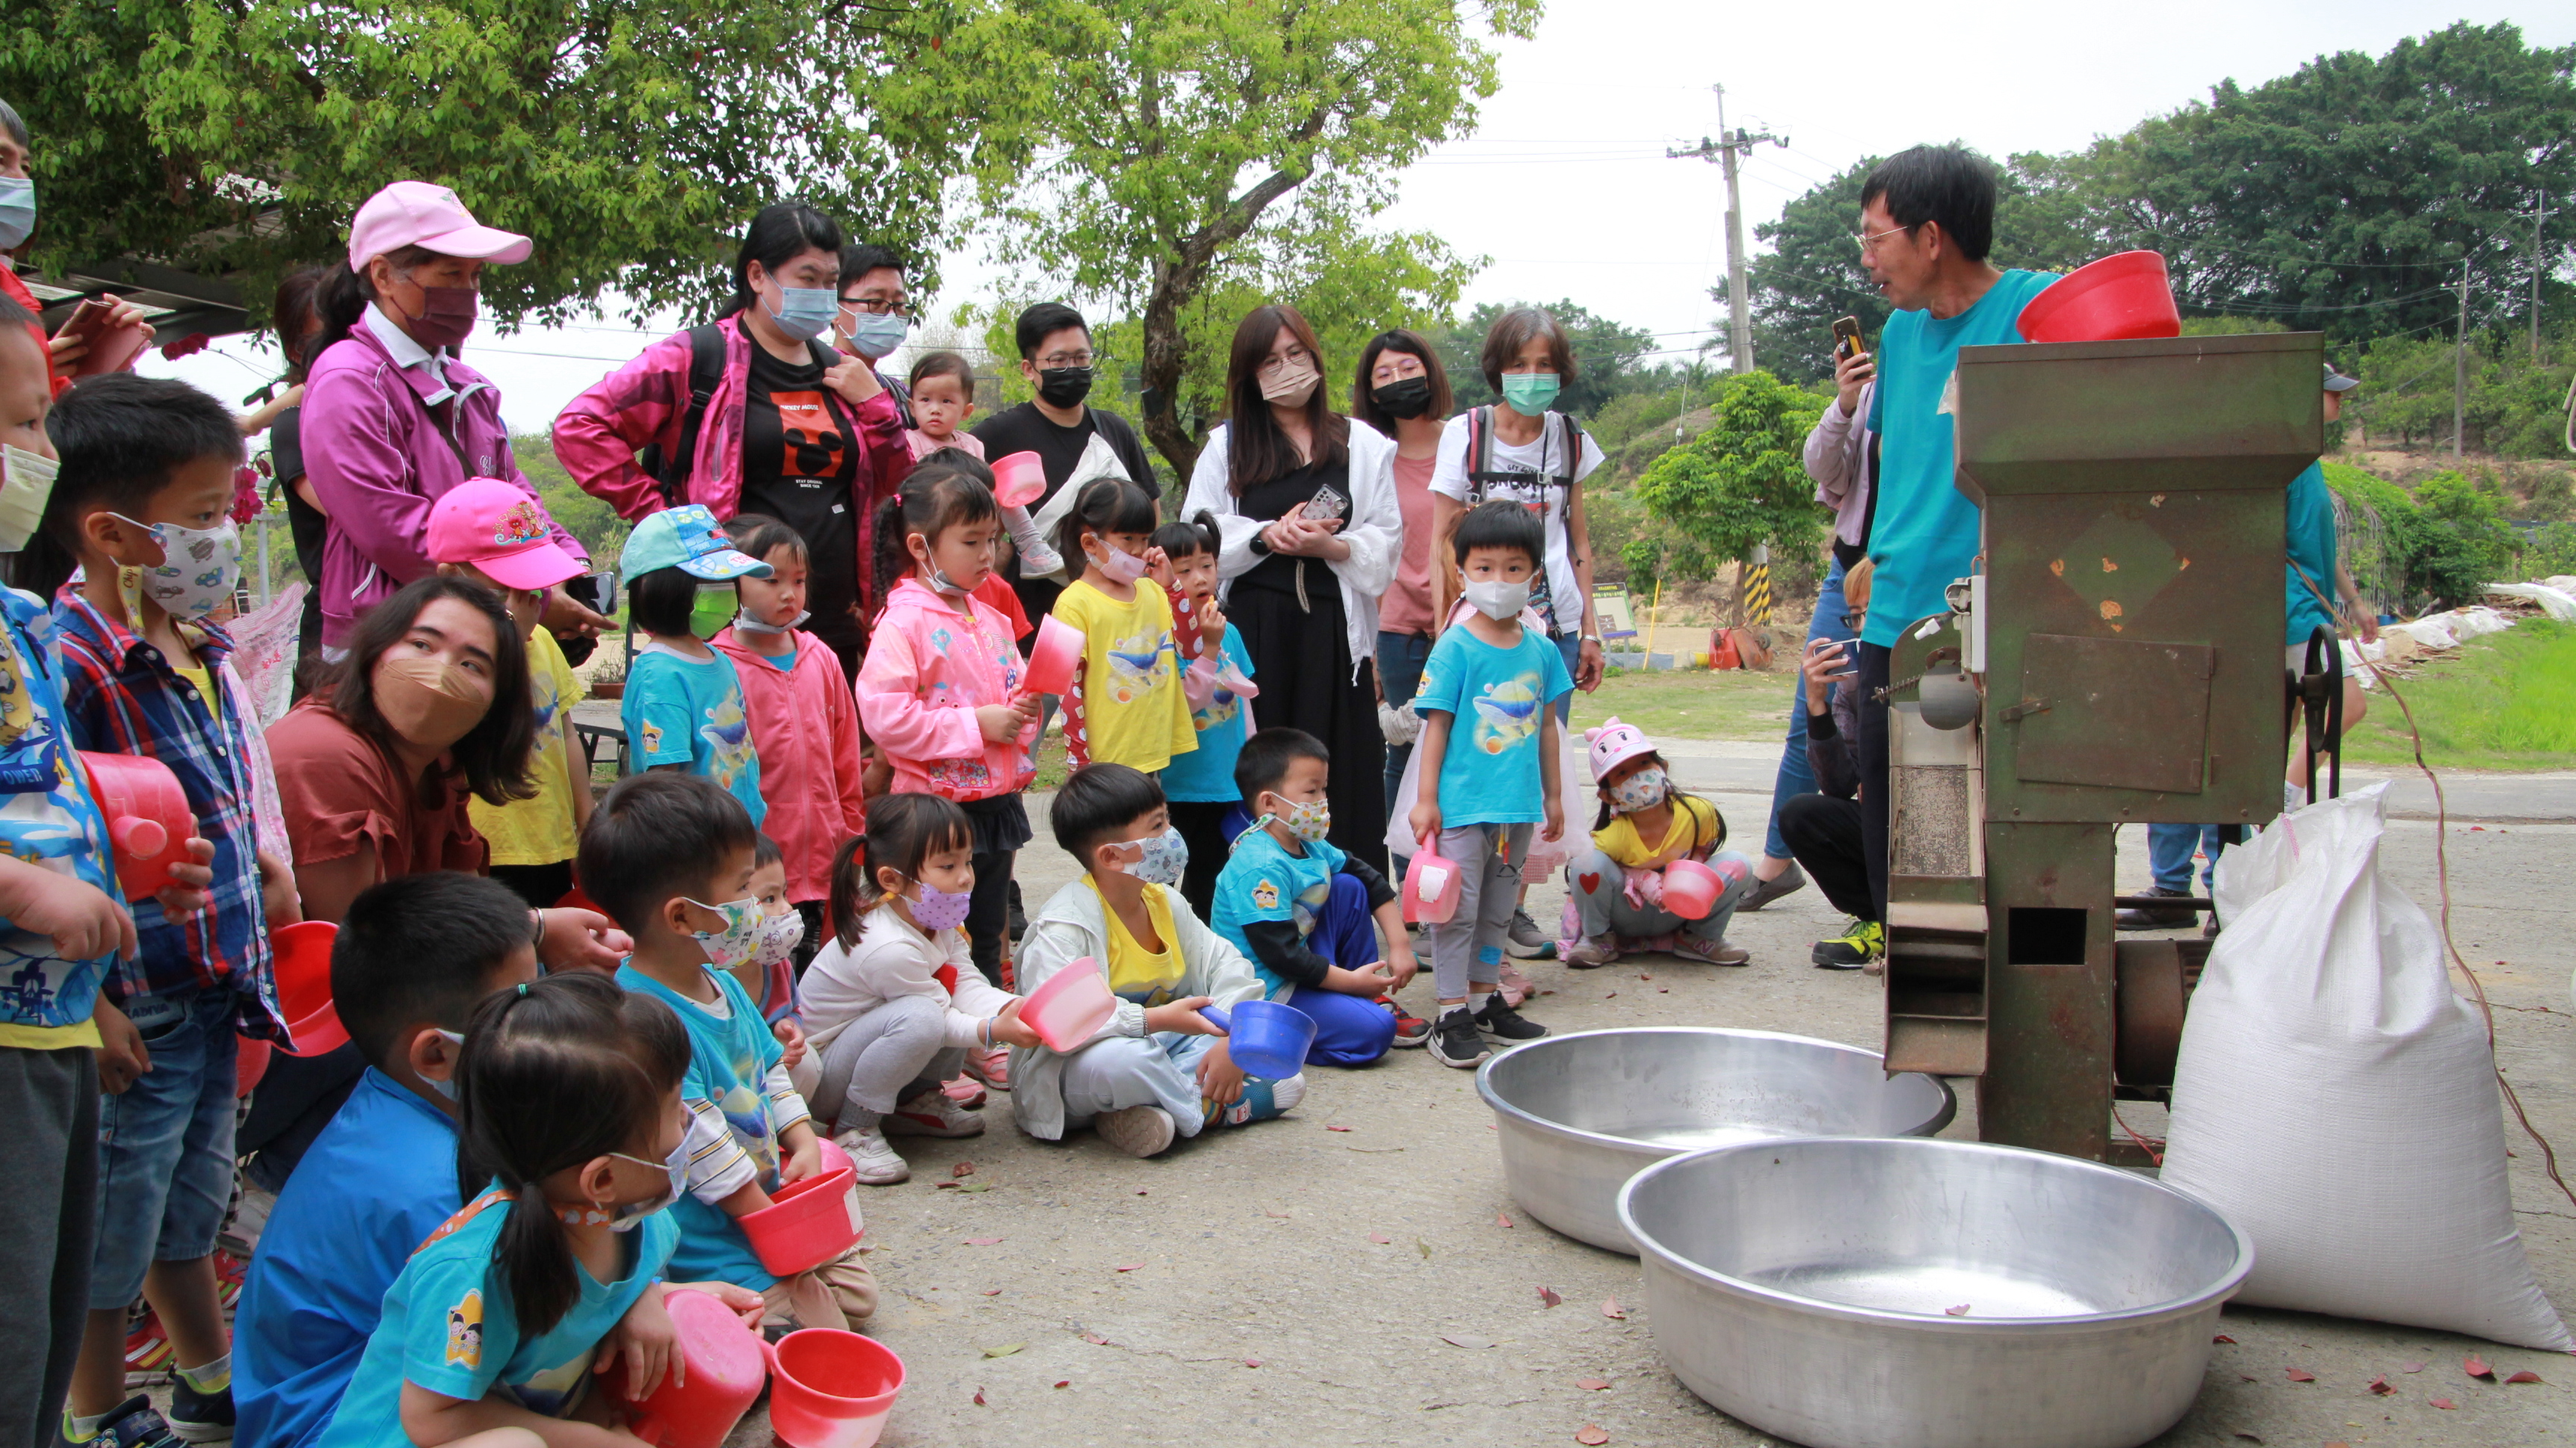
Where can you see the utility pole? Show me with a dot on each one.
(2539, 213)
(2460, 367)
(1724, 150)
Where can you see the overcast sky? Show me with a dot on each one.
(1565, 187)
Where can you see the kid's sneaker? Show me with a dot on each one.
(132, 1425)
(1514, 986)
(872, 1161)
(1503, 1023)
(1410, 1029)
(991, 1066)
(1260, 1101)
(1525, 941)
(1715, 952)
(1595, 952)
(965, 1093)
(1455, 1041)
(200, 1417)
(931, 1113)
(1136, 1130)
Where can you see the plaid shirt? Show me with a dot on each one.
(121, 696)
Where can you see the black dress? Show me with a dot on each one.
(1290, 612)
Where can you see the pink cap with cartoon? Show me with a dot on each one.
(501, 530)
(1611, 744)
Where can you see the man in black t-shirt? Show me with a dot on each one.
(1056, 357)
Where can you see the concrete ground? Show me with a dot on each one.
(1356, 1271)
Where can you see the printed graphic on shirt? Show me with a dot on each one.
(549, 1392)
(1508, 713)
(1265, 896)
(652, 740)
(1135, 665)
(1309, 906)
(1222, 707)
(465, 1332)
(810, 441)
(728, 732)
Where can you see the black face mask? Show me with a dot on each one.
(1405, 397)
(1064, 386)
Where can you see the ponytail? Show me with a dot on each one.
(1104, 506)
(904, 831)
(343, 295)
(934, 497)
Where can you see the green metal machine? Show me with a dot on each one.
(2116, 660)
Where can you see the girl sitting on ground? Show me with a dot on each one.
(1646, 823)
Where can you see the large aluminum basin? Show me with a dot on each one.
(1578, 1115)
(1850, 1293)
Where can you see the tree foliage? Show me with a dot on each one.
(1137, 152)
(630, 138)
(1741, 483)
(1606, 355)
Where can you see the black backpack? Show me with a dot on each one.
(706, 370)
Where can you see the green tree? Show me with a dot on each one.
(1605, 356)
(2455, 542)
(1138, 152)
(237, 137)
(1741, 483)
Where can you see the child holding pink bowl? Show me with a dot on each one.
(1646, 823)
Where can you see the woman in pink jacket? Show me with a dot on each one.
(752, 414)
(940, 692)
(804, 724)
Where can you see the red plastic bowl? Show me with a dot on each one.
(2117, 299)
(831, 1389)
(250, 1062)
(303, 965)
(726, 1368)
(1057, 653)
(806, 1224)
(148, 820)
(1019, 479)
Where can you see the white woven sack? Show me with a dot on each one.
(2336, 1100)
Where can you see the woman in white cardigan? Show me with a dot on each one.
(1305, 500)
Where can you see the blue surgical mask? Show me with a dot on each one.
(17, 211)
(803, 312)
(1529, 393)
(876, 334)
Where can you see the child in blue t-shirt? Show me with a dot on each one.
(571, 1099)
(684, 704)
(1479, 789)
(671, 857)
(1216, 679)
(1306, 914)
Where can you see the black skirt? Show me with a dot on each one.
(1301, 662)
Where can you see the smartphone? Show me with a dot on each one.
(1327, 505)
(86, 320)
(108, 352)
(602, 590)
(1846, 338)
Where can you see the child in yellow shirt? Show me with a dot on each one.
(1126, 706)
(1646, 823)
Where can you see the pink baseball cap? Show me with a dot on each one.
(1611, 744)
(501, 530)
(420, 213)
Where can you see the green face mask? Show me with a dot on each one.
(714, 609)
(1529, 393)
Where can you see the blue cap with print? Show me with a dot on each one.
(686, 538)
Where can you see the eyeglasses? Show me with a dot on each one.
(878, 307)
(1066, 359)
(1293, 357)
(1868, 241)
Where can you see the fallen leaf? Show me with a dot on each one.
(1612, 996)
(1283, 1216)
(2477, 1367)
(2300, 1375)
(2248, 1437)
(1959, 1311)
(1501, 1221)
(2379, 1386)
(2338, 1444)
(2444, 1403)
(2525, 1376)
(1462, 1340)
(1612, 1310)
(983, 1241)
(1590, 1436)
(1005, 1350)
(1095, 1339)
(992, 1292)
(2410, 1367)
(1663, 990)
(1425, 1246)
(2222, 1337)
(1590, 1385)
(1130, 1267)
(1645, 977)
(1252, 1362)
(943, 1184)
(1380, 1238)
(971, 1187)
(1337, 1128)
(1140, 1191)
(2249, 1377)
(979, 1397)
(1549, 1297)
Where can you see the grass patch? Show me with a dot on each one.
(1693, 704)
(2506, 701)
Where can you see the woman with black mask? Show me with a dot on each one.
(1402, 391)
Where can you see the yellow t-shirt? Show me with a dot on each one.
(206, 690)
(539, 830)
(1133, 712)
(1144, 976)
(1620, 841)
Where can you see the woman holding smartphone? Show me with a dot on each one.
(1305, 499)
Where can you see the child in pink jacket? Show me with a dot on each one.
(939, 691)
(804, 724)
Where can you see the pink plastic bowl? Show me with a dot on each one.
(303, 966)
(1430, 889)
(835, 1159)
(1070, 1007)
(1053, 659)
(831, 1389)
(1019, 479)
(2117, 299)
(725, 1368)
(1691, 889)
(806, 1224)
(148, 821)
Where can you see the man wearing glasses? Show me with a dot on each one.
(875, 315)
(1927, 220)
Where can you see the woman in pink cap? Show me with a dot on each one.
(392, 420)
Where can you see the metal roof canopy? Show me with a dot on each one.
(180, 304)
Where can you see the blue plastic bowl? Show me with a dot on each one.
(1266, 1039)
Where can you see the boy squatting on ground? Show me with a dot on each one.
(670, 857)
(1158, 1068)
(1299, 907)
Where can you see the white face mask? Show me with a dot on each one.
(198, 570)
(744, 622)
(780, 934)
(26, 481)
(1496, 599)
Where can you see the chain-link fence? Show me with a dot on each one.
(2361, 543)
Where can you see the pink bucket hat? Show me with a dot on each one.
(1611, 744)
(418, 213)
(501, 530)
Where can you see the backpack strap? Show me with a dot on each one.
(465, 1214)
(706, 373)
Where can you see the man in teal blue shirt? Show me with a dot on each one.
(1927, 219)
